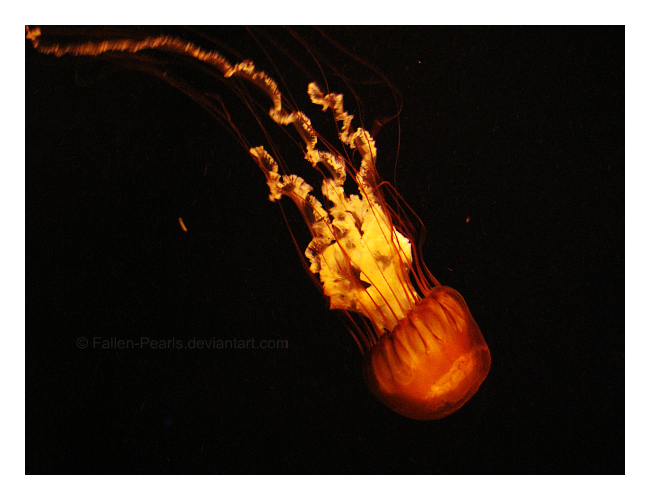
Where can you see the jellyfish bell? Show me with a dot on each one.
(432, 362)
(423, 354)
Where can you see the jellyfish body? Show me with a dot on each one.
(428, 356)
(424, 355)
(432, 362)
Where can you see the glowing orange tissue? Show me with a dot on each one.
(424, 355)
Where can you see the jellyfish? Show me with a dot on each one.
(423, 353)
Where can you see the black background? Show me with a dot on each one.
(521, 130)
